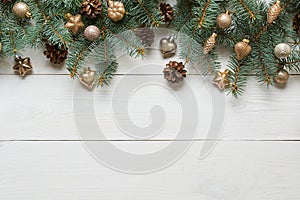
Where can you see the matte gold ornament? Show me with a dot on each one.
(74, 23)
(168, 47)
(22, 10)
(273, 12)
(87, 78)
(221, 80)
(0, 46)
(210, 43)
(282, 50)
(224, 20)
(22, 66)
(242, 49)
(281, 77)
(92, 33)
(116, 10)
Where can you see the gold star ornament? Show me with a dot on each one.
(74, 23)
(221, 80)
(22, 66)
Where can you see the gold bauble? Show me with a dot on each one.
(209, 43)
(273, 12)
(224, 20)
(87, 78)
(92, 33)
(22, 10)
(74, 23)
(116, 10)
(282, 50)
(242, 49)
(282, 77)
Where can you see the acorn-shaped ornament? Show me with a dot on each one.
(209, 43)
(273, 12)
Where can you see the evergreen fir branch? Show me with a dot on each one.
(203, 14)
(251, 13)
(154, 21)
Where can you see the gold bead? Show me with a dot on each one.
(22, 10)
(224, 20)
(282, 77)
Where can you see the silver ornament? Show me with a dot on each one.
(87, 78)
(168, 47)
(92, 33)
(282, 77)
(282, 50)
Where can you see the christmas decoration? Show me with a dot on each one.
(296, 23)
(7, 1)
(116, 10)
(91, 8)
(210, 43)
(92, 33)
(146, 35)
(273, 12)
(22, 66)
(175, 72)
(242, 49)
(0, 46)
(221, 79)
(168, 47)
(281, 77)
(74, 23)
(22, 10)
(224, 20)
(167, 12)
(282, 50)
(55, 54)
(87, 78)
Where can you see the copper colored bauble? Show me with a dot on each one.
(74, 23)
(282, 50)
(116, 10)
(273, 12)
(87, 78)
(22, 66)
(221, 80)
(92, 33)
(282, 77)
(224, 20)
(242, 49)
(168, 47)
(210, 43)
(22, 10)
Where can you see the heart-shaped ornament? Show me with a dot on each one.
(87, 78)
(168, 47)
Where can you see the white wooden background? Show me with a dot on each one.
(257, 156)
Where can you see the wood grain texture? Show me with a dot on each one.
(234, 170)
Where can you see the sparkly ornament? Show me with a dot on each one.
(168, 47)
(221, 80)
(167, 12)
(273, 12)
(282, 50)
(224, 20)
(22, 66)
(55, 54)
(74, 23)
(87, 78)
(281, 77)
(210, 43)
(296, 23)
(116, 10)
(242, 49)
(175, 72)
(91, 8)
(92, 33)
(22, 10)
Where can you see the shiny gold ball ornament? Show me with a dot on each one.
(22, 10)
(74, 23)
(224, 20)
(242, 49)
(116, 10)
(92, 33)
(209, 43)
(281, 77)
(87, 78)
(274, 12)
(282, 50)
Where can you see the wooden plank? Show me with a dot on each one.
(41, 108)
(234, 170)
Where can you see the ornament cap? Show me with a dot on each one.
(246, 41)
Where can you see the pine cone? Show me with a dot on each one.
(175, 72)
(296, 23)
(7, 1)
(167, 12)
(91, 8)
(55, 54)
(146, 35)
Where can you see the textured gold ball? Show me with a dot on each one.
(281, 77)
(21, 10)
(92, 33)
(224, 20)
(282, 50)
